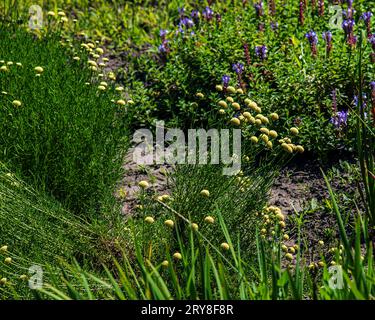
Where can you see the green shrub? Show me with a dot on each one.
(67, 137)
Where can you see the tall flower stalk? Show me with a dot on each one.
(313, 40)
(327, 37)
(301, 17)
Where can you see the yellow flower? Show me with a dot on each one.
(258, 122)
(209, 219)
(23, 277)
(289, 256)
(264, 130)
(265, 120)
(119, 88)
(223, 104)
(225, 246)
(252, 104)
(10, 63)
(294, 131)
(321, 242)
(254, 139)
(219, 87)
(51, 13)
(149, 220)
(165, 263)
(103, 83)
(284, 248)
(91, 45)
(194, 226)
(4, 69)
(247, 115)
(285, 237)
(93, 68)
(102, 88)
(269, 144)
(121, 102)
(231, 89)
(99, 50)
(19, 64)
(4, 249)
(321, 264)
(221, 111)
(39, 69)
(143, 184)
(105, 59)
(76, 58)
(3, 281)
(274, 116)
(169, 223)
(235, 121)
(236, 106)
(8, 260)
(264, 137)
(300, 149)
(122, 193)
(240, 91)
(17, 103)
(61, 13)
(130, 101)
(205, 193)
(230, 99)
(177, 256)
(287, 147)
(200, 95)
(272, 134)
(92, 63)
(292, 250)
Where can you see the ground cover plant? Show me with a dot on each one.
(79, 220)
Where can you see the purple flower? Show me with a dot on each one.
(195, 14)
(364, 100)
(327, 37)
(225, 80)
(261, 52)
(372, 85)
(238, 67)
(313, 40)
(312, 37)
(181, 11)
(259, 8)
(340, 119)
(208, 13)
(274, 25)
(366, 16)
(187, 22)
(348, 26)
(163, 33)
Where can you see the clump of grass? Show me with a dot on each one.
(61, 132)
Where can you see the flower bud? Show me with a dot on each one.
(235, 121)
(177, 256)
(39, 69)
(209, 219)
(205, 193)
(224, 246)
(17, 103)
(223, 104)
(231, 89)
(236, 106)
(149, 220)
(219, 87)
(169, 223)
(294, 131)
(143, 184)
(272, 134)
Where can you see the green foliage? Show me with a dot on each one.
(66, 136)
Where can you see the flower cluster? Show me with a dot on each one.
(366, 17)
(327, 37)
(313, 40)
(261, 52)
(340, 119)
(348, 27)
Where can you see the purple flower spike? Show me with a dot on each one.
(225, 80)
(261, 52)
(340, 119)
(238, 68)
(208, 13)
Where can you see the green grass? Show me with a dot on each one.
(67, 137)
